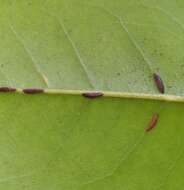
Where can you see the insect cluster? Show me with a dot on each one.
(160, 86)
(92, 95)
(26, 90)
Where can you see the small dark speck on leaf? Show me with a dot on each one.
(182, 66)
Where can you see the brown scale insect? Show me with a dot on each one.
(153, 122)
(7, 89)
(159, 83)
(92, 95)
(33, 90)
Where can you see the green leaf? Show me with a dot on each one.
(70, 142)
(60, 140)
(106, 45)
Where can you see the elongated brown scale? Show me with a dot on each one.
(33, 90)
(153, 122)
(159, 83)
(92, 94)
(7, 89)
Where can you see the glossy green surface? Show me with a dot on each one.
(70, 142)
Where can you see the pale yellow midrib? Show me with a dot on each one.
(160, 97)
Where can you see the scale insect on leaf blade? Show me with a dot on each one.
(7, 89)
(33, 90)
(159, 83)
(153, 122)
(92, 95)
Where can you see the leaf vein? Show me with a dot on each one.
(43, 77)
(130, 36)
(77, 53)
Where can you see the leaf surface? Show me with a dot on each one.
(106, 45)
(57, 141)
(70, 142)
